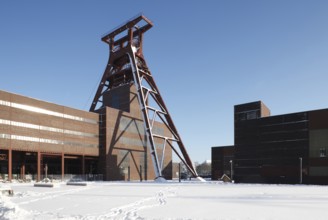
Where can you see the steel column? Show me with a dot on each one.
(10, 165)
(39, 166)
(63, 165)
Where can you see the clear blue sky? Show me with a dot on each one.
(206, 56)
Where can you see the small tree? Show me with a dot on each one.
(204, 169)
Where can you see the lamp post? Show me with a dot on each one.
(301, 168)
(231, 171)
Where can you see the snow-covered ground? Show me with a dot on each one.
(187, 200)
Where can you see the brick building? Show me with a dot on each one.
(288, 148)
(35, 134)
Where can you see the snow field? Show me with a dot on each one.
(147, 200)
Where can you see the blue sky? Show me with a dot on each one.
(206, 56)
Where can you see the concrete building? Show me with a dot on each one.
(288, 148)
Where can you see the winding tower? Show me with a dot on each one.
(127, 66)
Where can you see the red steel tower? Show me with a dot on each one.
(127, 65)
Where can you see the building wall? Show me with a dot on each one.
(268, 148)
(29, 126)
(318, 135)
(125, 153)
(221, 157)
(286, 148)
(252, 110)
(35, 125)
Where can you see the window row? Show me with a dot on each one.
(47, 112)
(46, 128)
(43, 140)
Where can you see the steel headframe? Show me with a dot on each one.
(127, 65)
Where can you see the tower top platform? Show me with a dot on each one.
(137, 24)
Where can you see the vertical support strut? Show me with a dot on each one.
(126, 65)
(144, 110)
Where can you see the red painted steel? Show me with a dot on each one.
(126, 65)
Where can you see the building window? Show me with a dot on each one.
(323, 152)
(45, 111)
(254, 114)
(251, 115)
(241, 117)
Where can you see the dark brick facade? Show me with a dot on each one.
(276, 149)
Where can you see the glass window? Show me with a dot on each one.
(47, 112)
(46, 128)
(241, 117)
(42, 140)
(251, 115)
(322, 152)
